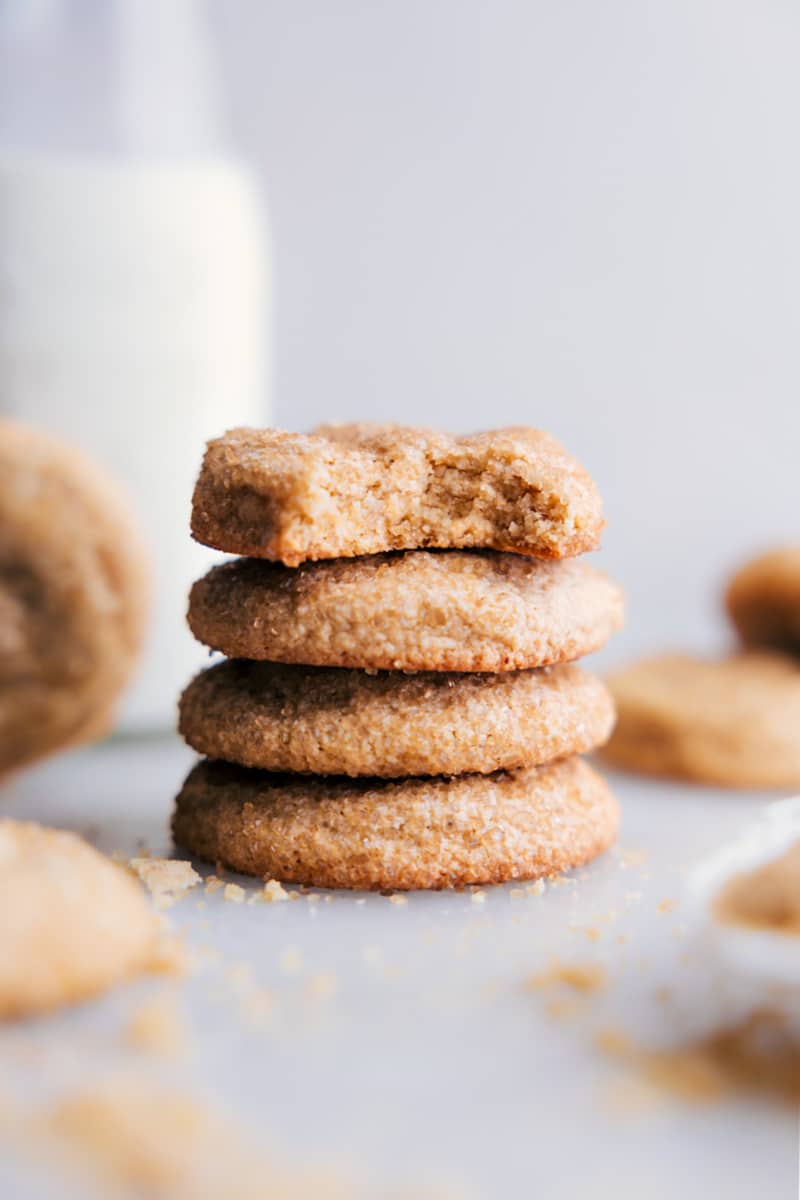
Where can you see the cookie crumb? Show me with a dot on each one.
(537, 888)
(613, 1042)
(170, 956)
(274, 892)
(234, 892)
(478, 897)
(213, 884)
(562, 1009)
(167, 879)
(666, 906)
(398, 898)
(587, 977)
(158, 1027)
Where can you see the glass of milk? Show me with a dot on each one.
(133, 272)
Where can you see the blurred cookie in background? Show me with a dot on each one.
(763, 600)
(74, 587)
(733, 722)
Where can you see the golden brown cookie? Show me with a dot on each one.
(73, 923)
(763, 600)
(734, 722)
(418, 611)
(348, 490)
(73, 596)
(330, 721)
(413, 833)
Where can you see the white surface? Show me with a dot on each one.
(432, 1059)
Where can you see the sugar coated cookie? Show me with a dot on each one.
(732, 722)
(73, 596)
(73, 923)
(330, 721)
(348, 490)
(414, 833)
(417, 611)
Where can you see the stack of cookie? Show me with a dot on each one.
(398, 709)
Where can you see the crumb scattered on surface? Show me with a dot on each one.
(581, 977)
(562, 1008)
(213, 884)
(171, 956)
(274, 892)
(166, 879)
(398, 898)
(478, 897)
(537, 888)
(612, 1041)
(133, 1138)
(666, 906)
(159, 1027)
(591, 932)
(234, 893)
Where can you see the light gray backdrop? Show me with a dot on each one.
(576, 214)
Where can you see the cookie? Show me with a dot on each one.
(349, 490)
(414, 833)
(417, 611)
(329, 721)
(763, 600)
(73, 923)
(733, 722)
(73, 596)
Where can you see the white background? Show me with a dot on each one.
(578, 215)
